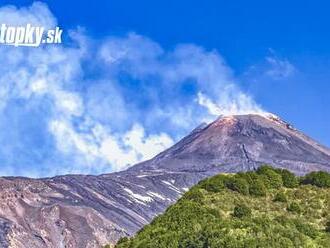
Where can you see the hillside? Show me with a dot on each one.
(266, 208)
(91, 211)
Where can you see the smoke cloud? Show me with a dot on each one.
(101, 106)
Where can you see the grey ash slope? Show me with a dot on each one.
(89, 211)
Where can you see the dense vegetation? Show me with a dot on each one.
(266, 208)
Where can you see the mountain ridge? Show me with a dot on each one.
(89, 211)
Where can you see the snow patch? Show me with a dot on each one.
(171, 186)
(154, 194)
(137, 197)
(140, 176)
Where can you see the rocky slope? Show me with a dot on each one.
(89, 211)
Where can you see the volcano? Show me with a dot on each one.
(241, 143)
(89, 211)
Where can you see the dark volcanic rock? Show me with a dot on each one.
(89, 211)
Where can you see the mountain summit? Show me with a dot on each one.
(240, 143)
(89, 211)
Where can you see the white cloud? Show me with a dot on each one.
(99, 144)
(36, 14)
(138, 101)
(214, 80)
(279, 68)
(146, 147)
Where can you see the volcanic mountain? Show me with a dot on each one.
(89, 211)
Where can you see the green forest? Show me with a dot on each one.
(265, 208)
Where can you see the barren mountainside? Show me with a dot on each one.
(89, 211)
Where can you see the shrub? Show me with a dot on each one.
(194, 195)
(280, 197)
(214, 212)
(238, 184)
(254, 222)
(294, 207)
(270, 177)
(257, 188)
(327, 226)
(192, 240)
(283, 220)
(249, 176)
(289, 179)
(320, 179)
(306, 229)
(241, 211)
(214, 184)
(120, 241)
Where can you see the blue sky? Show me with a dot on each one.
(141, 74)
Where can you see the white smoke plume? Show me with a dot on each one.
(100, 106)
